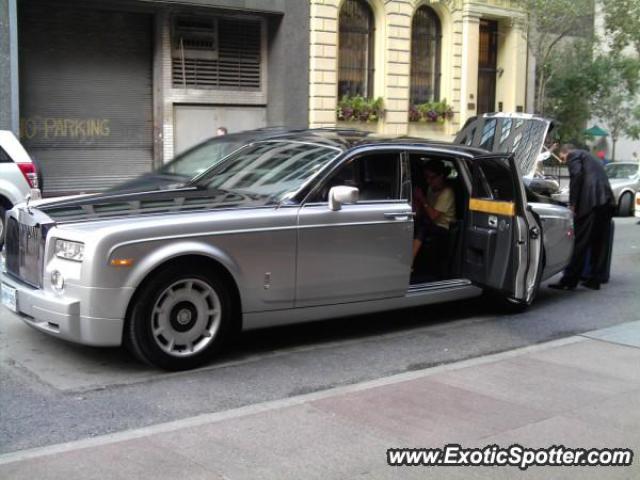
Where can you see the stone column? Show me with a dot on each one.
(469, 65)
(9, 93)
(397, 63)
(512, 66)
(323, 63)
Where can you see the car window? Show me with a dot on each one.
(277, 169)
(492, 180)
(621, 171)
(376, 176)
(199, 159)
(4, 156)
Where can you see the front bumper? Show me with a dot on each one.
(60, 316)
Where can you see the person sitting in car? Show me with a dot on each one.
(435, 209)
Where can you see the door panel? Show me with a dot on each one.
(503, 239)
(361, 252)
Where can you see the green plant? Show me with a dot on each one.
(433, 112)
(360, 109)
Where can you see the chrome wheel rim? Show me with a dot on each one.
(186, 317)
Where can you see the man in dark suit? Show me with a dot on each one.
(592, 202)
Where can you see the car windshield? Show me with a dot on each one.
(195, 161)
(627, 170)
(276, 169)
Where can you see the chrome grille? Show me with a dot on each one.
(25, 251)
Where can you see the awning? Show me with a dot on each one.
(596, 131)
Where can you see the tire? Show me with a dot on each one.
(625, 205)
(180, 318)
(3, 212)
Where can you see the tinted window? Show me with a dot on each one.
(273, 169)
(4, 157)
(195, 161)
(492, 180)
(376, 176)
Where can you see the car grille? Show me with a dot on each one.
(25, 252)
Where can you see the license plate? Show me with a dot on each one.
(9, 297)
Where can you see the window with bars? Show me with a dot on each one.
(217, 53)
(356, 55)
(426, 39)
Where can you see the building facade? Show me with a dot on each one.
(459, 57)
(103, 91)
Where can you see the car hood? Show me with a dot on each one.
(132, 204)
(521, 134)
(150, 182)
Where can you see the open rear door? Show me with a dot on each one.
(503, 241)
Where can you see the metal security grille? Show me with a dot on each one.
(231, 62)
(425, 56)
(85, 94)
(356, 56)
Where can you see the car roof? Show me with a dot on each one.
(347, 139)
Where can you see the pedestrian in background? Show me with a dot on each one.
(221, 131)
(592, 202)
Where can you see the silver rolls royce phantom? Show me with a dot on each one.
(302, 226)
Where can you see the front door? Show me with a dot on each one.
(503, 242)
(362, 251)
(487, 66)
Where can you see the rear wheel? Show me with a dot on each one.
(179, 319)
(625, 206)
(3, 212)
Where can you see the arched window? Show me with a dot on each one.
(355, 73)
(425, 56)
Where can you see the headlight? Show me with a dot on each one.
(70, 250)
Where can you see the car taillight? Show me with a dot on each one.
(638, 200)
(29, 172)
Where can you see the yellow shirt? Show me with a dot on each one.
(443, 201)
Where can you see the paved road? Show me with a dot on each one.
(51, 392)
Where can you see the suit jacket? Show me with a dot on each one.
(589, 185)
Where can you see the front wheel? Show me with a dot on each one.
(625, 206)
(180, 319)
(3, 212)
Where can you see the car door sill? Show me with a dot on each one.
(438, 285)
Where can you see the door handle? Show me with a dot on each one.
(399, 216)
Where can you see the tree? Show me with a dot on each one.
(616, 99)
(570, 89)
(549, 22)
(622, 23)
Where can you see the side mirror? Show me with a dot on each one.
(342, 195)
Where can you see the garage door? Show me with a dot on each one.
(85, 94)
(195, 123)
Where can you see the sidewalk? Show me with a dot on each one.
(581, 392)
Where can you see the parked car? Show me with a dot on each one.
(306, 226)
(625, 182)
(18, 175)
(637, 209)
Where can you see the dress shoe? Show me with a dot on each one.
(592, 284)
(562, 286)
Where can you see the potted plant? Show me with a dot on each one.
(359, 109)
(430, 112)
